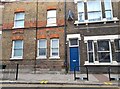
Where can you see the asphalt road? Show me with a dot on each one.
(37, 86)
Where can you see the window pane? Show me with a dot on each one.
(117, 56)
(17, 44)
(107, 4)
(81, 16)
(55, 52)
(19, 23)
(73, 42)
(117, 44)
(90, 57)
(42, 51)
(51, 20)
(51, 13)
(80, 6)
(94, 5)
(103, 45)
(104, 57)
(108, 14)
(18, 52)
(90, 45)
(19, 16)
(55, 43)
(94, 16)
(42, 43)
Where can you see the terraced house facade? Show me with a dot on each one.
(39, 34)
(33, 34)
(93, 33)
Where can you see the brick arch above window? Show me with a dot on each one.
(19, 10)
(51, 8)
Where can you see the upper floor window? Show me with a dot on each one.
(17, 49)
(19, 20)
(94, 11)
(81, 13)
(51, 18)
(42, 48)
(91, 10)
(108, 9)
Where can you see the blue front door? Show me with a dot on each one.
(74, 58)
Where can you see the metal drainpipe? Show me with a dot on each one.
(36, 36)
(65, 28)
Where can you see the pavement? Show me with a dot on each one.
(60, 78)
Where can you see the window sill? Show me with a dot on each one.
(17, 27)
(54, 57)
(16, 58)
(104, 20)
(97, 63)
(51, 25)
(41, 57)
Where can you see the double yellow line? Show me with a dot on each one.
(108, 83)
(43, 82)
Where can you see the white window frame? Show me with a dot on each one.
(13, 45)
(110, 52)
(109, 10)
(52, 56)
(83, 12)
(94, 11)
(51, 17)
(38, 48)
(22, 19)
(73, 45)
(91, 51)
(103, 20)
(116, 51)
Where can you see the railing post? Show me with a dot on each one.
(74, 74)
(87, 72)
(109, 70)
(17, 71)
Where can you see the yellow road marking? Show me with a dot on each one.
(44, 82)
(108, 83)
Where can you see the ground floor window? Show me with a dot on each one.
(42, 48)
(54, 48)
(117, 49)
(90, 49)
(17, 49)
(103, 50)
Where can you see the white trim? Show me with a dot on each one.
(0, 32)
(55, 57)
(71, 36)
(102, 37)
(97, 63)
(51, 25)
(41, 57)
(104, 20)
(73, 45)
(92, 51)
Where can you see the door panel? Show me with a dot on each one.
(74, 58)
